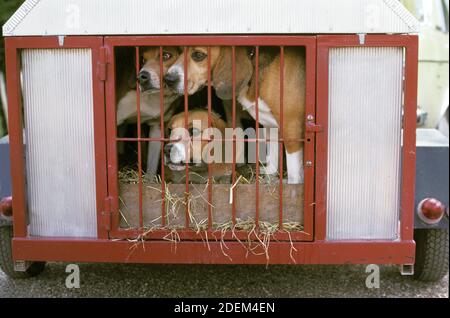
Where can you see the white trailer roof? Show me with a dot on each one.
(120, 17)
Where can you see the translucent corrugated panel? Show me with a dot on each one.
(364, 143)
(59, 142)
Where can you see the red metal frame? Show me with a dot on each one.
(105, 250)
(410, 43)
(13, 47)
(140, 41)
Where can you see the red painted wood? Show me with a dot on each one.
(199, 253)
(308, 41)
(13, 47)
(410, 43)
(192, 250)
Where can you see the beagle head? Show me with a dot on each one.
(221, 68)
(190, 145)
(149, 74)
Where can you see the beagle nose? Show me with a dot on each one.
(171, 79)
(167, 149)
(144, 78)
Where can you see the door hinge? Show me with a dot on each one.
(102, 64)
(107, 214)
(314, 128)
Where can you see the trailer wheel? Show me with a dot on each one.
(6, 262)
(431, 254)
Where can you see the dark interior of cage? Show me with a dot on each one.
(225, 199)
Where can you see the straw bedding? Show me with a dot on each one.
(195, 204)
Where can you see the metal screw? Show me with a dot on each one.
(309, 163)
(310, 117)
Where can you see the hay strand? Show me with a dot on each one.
(258, 237)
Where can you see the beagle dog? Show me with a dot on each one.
(221, 77)
(269, 92)
(193, 147)
(294, 101)
(149, 82)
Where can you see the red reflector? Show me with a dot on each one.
(431, 210)
(6, 206)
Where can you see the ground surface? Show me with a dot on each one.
(122, 280)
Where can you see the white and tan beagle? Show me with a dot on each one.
(192, 146)
(221, 76)
(149, 81)
(269, 92)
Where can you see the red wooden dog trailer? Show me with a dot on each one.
(361, 59)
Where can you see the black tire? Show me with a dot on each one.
(6, 262)
(431, 254)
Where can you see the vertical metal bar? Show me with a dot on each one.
(161, 111)
(186, 124)
(233, 173)
(138, 105)
(281, 132)
(257, 136)
(209, 126)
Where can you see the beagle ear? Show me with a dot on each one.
(168, 127)
(266, 56)
(222, 73)
(178, 107)
(218, 123)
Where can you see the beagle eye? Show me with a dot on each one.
(198, 56)
(194, 132)
(166, 56)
